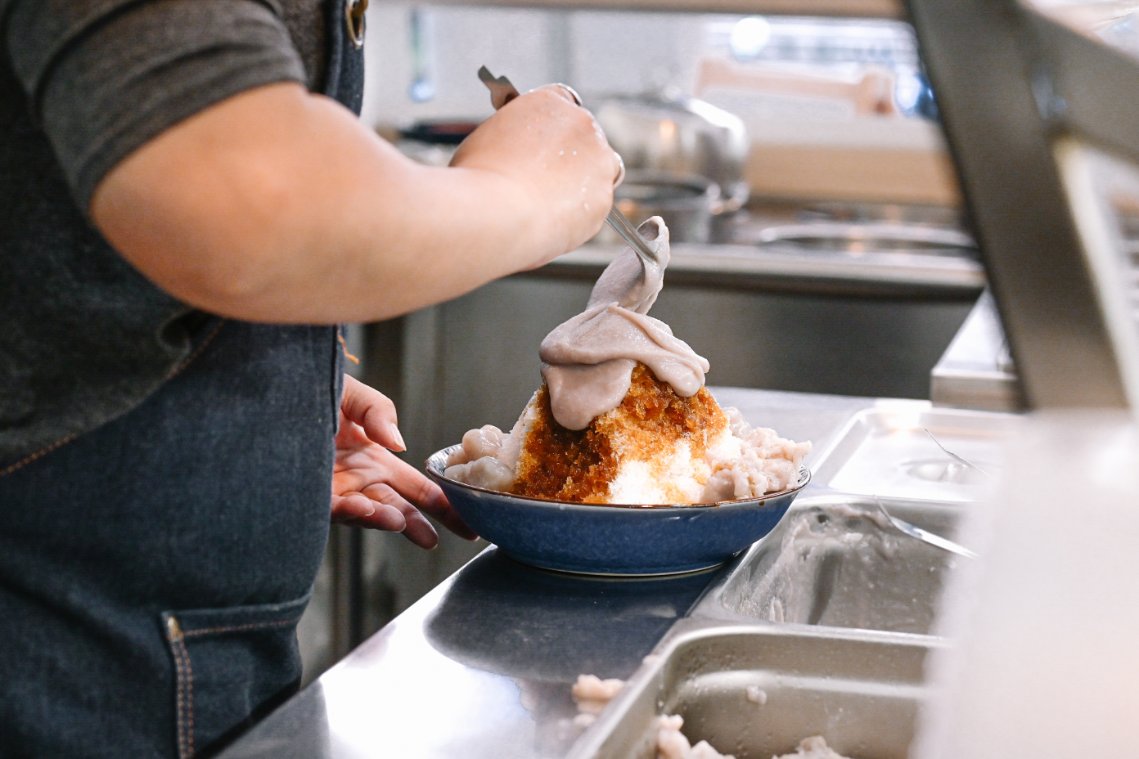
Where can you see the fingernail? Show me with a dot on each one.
(398, 438)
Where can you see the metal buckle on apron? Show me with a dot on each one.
(354, 20)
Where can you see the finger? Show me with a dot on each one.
(351, 506)
(359, 509)
(569, 92)
(564, 91)
(433, 501)
(366, 510)
(414, 487)
(386, 518)
(429, 497)
(373, 411)
(617, 180)
(417, 528)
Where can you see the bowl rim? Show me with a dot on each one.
(803, 480)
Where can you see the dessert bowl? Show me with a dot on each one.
(633, 539)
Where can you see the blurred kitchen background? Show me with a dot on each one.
(819, 241)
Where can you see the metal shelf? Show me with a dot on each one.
(1020, 95)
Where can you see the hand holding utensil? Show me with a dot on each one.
(502, 91)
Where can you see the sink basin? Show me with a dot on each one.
(836, 562)
(861, 238)
(822, 628)
(757, 691)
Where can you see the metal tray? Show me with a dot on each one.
(757, 691)
(822, 627)
(836, 562)
(916, 452)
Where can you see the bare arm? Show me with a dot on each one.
(278, 205)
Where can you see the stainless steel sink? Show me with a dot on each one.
(823, 627)
(858, 239)
(757, 691)
(835, 561)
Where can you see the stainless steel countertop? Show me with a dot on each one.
(792, 268)
(976, 370)
(482, 665)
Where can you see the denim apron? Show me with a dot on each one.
(153, 571)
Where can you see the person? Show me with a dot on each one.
(188, 207)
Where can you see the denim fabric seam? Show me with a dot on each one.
(184, 690)
(238, 628)
(177, 636)
(181, 367)
(57, 444)
(20, 464)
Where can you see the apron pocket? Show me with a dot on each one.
(231, 666)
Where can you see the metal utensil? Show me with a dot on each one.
(686, 202)
(959, 459)
(502, 91)
(925, 536)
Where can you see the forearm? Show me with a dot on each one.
(279, 206)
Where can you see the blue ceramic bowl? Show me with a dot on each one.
(613, 540)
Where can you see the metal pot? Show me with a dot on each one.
(686, 202)
(682, 136)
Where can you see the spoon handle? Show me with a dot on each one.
(925, 536)
(629, 234)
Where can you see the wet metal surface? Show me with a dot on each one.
(822, 628)
(757, 691)
(836, 562)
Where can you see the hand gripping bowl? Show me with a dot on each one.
(629, 540)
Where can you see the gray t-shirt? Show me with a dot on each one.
(83, 336)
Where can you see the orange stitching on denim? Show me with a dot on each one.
(184, 691)
(36, 455)
(186, 694)
(184, 673)
(238, 628)
(344, 347)
(68, 438)
(197, 351)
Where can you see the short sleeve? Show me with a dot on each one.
(105, 76)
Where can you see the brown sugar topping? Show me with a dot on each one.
(578, 465)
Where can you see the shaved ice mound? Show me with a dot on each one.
(655, 447)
